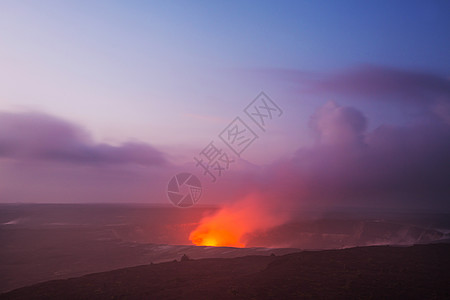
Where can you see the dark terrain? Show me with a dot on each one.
(377, 272)
(42, 242)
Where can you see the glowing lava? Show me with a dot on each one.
(229, 225)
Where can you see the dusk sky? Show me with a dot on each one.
(104, 101)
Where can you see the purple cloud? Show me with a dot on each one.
(39, 136)
(334, 124)
(374, 81)
(391, 165)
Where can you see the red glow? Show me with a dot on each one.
(229, 225)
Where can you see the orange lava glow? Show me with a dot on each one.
(229, 225)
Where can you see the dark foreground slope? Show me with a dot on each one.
(417, 272)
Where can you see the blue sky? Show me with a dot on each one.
(79, 57)
(174, 74)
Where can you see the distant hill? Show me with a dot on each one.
(377, 272)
